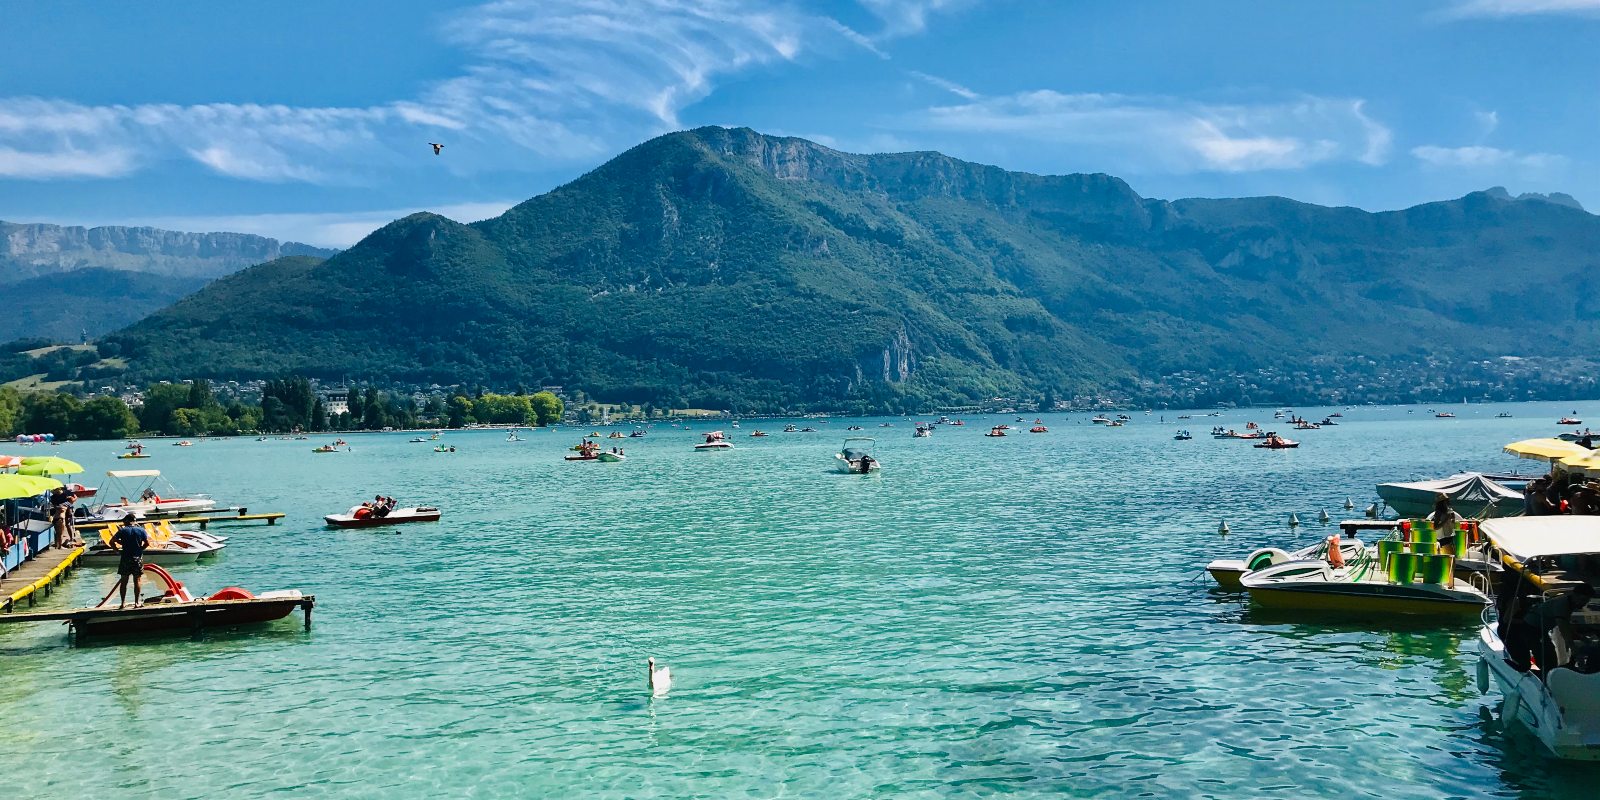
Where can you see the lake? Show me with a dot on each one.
(1021, 616)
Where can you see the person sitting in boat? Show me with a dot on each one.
(1537, 637)
(149, 496)
(380, 507)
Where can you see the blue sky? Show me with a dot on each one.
(310, 120)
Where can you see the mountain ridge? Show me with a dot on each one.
(743, 270)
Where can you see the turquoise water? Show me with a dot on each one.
(1016, 616)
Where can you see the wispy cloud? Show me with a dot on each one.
(1518, 8)
(902, 17)
(561, 80)
(1481, 157)
(1153, 133)
(947, 85)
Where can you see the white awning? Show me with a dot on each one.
(1523, 538)
(134, 473)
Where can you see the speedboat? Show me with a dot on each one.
(856, 456)
(1569, 421)
(1444, 415)
(996, 431)
(1276, 442)
(418, 439)
(790, 428)
(638, 432)
(715, 441)
(363, 517)
(923, 432)
(1182, 436)
(611, 457)
(148, 485)
(1228, 571)
(1038, 429)
(755, 434)
(1100, 420)
(1326, 421)
(1552, 685)
(1471, 494)
(184, 443)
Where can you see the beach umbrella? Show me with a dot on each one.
(1551, 450)
(10, 462)
(13, 487)
(1585, 464)
(49, 465)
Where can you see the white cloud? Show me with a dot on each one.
(1488, 122)
(546, 80)
(1153, 133)
(1480, 157)
(902, 17)
(1515, 8)
(947, 85)
(337, 229)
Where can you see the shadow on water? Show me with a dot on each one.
(1524, 765)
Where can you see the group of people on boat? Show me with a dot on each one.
(1561, 493)
(379, 506)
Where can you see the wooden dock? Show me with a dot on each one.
(172, 616)
(203, 521)
(40, 575)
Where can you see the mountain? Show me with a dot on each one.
(729, 269)
(61, 281)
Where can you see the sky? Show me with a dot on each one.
(310, 121)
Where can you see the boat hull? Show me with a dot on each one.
(1227, 573)
(110, 558)
(1363, 598)
(1568, 727)
(396, 517)
(187, 616)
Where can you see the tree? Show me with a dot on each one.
(10, 411)
(460, 411)
(160, 400)
(547, 408)
(105, 418)
(51, 413)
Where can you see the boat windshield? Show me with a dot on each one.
(854, 454)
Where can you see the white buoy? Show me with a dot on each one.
(660, 679)
(1372, 511)
(1322, 516)
(1348, 504)
(1294, 519)
(1224, 529)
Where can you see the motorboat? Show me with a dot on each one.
(365, 517)
(1326, 421)
(638, 432)
(923, 432)
(1306, 426)
(1542, 646)
(611, 456)
(327, 448)
(856, 456)
(148, 486)
(959, 422)
(1182, 436)
(1276, 442)
(1503, 415)
(184, 443)
(715, 440)
(757, 434)
(1444, 415)
(616, 435)
(512, 436)
(1116, 423)
(1569, 421)
(997, 431)
(791, 428)
(418, 440)
(1370, 584)
(1471, 494)
(808, 429)
(853, 428)
(1038, 429)
(439, 448)
(1100, 420)
(176, 609)
(1228, 571)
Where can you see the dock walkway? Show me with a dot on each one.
(36, 576)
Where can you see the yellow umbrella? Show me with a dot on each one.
(1588, 463)
(49, 465)
(1551, 450)
(13, 487)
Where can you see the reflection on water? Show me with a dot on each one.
(1025, 615)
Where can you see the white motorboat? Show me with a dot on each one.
(147, 487)
(363, 517)
(1471, 494)
(715, 440)
(1543, 647)
(856, 456)
(513, 437)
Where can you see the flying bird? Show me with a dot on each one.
(436, 147)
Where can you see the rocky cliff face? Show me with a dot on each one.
(32, 250)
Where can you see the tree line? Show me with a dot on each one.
(288, 405)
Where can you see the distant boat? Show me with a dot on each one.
(1569, 421)
(1182, 436)
(1503, 415)
(1445, 415)
(715, 441)
(856, 456)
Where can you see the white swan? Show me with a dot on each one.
(660, 679)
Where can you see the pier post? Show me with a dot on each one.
(307, 608)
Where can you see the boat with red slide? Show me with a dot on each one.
(176, 609)
(364, 516)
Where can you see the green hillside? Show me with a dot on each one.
(728, 269)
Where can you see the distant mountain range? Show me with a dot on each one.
(60, 281)
(729, 269)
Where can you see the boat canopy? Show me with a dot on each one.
(1525, 538)
(1471, 494)
(1546, 449)
(134, 473)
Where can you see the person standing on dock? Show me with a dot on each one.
(131, 540)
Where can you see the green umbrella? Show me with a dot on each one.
(13, 487)
(49, 465)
